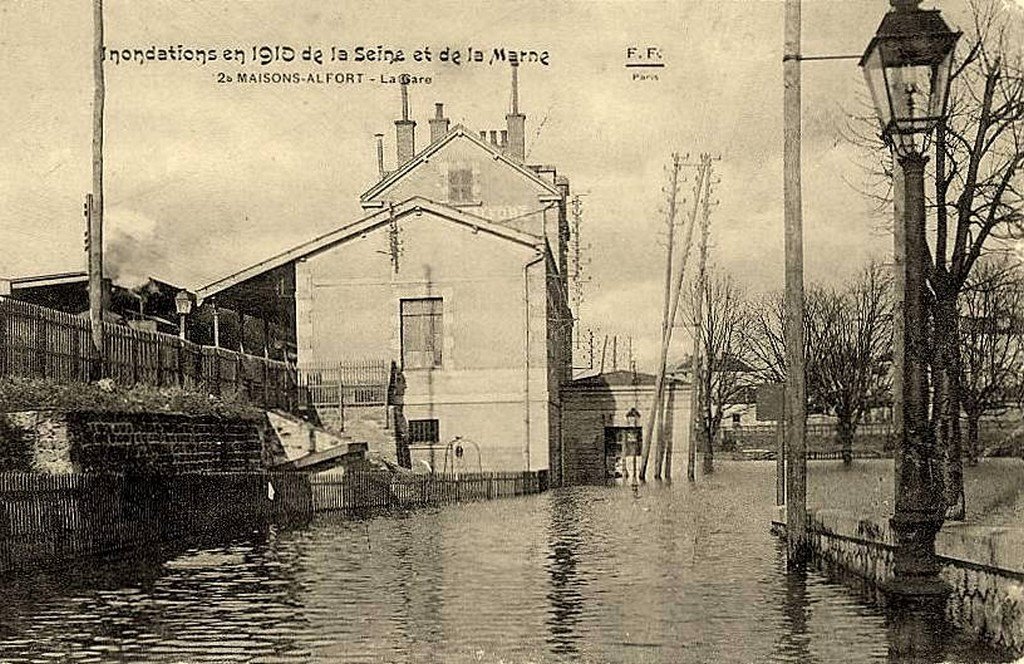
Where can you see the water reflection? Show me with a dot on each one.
(793, 642)
(681, 573)
(565, 596)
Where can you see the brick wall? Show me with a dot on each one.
(63, 442)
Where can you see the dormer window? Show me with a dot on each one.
(460, 185)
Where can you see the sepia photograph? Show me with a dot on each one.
(523, 332)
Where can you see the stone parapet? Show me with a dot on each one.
(983, 565)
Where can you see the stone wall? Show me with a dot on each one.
(75, 442)
(983, 565)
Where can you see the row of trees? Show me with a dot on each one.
(848, 351)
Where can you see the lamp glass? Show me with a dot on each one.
(907, 67)
(874, 74)
(183, 303)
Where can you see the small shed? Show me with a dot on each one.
(600, 439)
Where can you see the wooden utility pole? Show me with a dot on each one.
(696, 360)
(663, 444)
(666, 325)
(95, 223)
(704, 173)
(795, 414)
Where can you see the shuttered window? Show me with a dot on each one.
(460, 185)
(422, 333)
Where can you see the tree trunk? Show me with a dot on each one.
(845, 429)
(947, 400)
(973, 418)
(709, 453)
(710, 433)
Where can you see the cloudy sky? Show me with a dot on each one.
(203, 178)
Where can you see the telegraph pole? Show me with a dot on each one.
(701, 191)
(95, 222)
(796, 468)
(666, 326)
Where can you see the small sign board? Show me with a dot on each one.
(771, 399)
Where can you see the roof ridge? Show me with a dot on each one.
(455, 132)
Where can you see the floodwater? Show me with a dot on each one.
(674, 573)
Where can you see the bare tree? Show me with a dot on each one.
(851, 343)
(975, 198)
(991, 344)
(768, 343)
(767, 346)
(847, 348)
(723, 339)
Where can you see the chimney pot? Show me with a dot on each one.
(405, 131)
(438, 124)
(380, 154)
(516, 122)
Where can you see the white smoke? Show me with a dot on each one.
(131, 248)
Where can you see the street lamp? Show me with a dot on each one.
(907, 68)
(633, 418)
(183, 304)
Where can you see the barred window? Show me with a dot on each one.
(422, 333)
(424, 431)
(460, 185)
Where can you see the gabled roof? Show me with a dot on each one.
(459, 131)
(415, 205)
(615, 378)
(36, 280)
(619, 378)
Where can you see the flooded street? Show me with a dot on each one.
(678, 573)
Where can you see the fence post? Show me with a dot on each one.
(217, 370)
(265, 365)
(40, 342)
(239, 378)
(179, 364)
(133, 355)
(4, 349)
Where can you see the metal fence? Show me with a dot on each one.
(996, 437)
(332, 385)
(822, 439)
(44, 343)
(358, 491)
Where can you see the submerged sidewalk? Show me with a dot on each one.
(983, 557)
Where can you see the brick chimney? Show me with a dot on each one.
(438, 123)
(516, 122)
(405, 131)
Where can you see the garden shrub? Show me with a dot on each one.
(18, 394)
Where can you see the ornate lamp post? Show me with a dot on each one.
(907, 67)
(183, 305)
